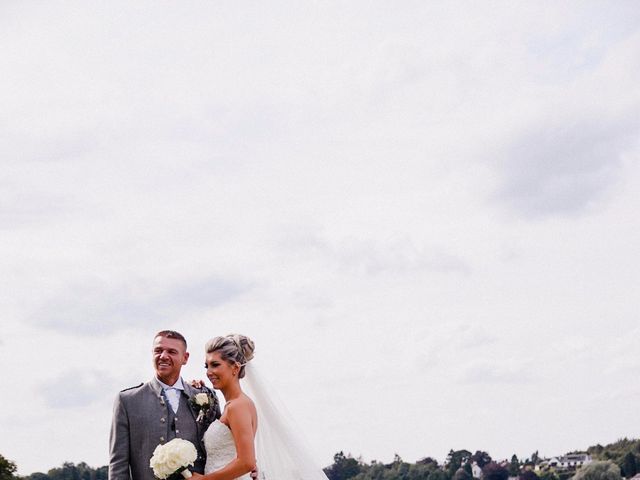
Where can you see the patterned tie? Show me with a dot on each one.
(172, 395)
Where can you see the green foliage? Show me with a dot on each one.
(462, 474)
(601, 470)
(397, 470)
(494, 471)
(437, 475)
(420, 471)
(616, 451)
(548, 474)
(7, 469)
(629, 465)
(70, 471)
(566, 474)
(343, 468)
(528, 474)
(514, 466)
(625, 453)
(455, 460)
(481, 458)
(535, 458)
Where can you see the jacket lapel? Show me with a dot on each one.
(189, 392)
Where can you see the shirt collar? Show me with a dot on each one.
(178, 385)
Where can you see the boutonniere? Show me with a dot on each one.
(201, 403)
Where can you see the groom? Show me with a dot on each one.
(156, 412)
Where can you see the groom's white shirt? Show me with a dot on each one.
(173, 393)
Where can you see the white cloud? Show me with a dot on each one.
(504, 371)
(77, 388)
(565, 165)
(95, 308)
(317, 176)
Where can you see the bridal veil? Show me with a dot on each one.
(281, 451)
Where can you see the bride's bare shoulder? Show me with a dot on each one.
(242, 403)
(241, 408)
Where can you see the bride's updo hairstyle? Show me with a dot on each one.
(232, 348)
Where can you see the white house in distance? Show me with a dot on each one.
(570, 461)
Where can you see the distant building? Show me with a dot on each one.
(570, 461)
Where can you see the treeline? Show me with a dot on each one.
(622, 460)
(68, 471)
(623, 454)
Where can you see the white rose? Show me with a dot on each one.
(202, 399)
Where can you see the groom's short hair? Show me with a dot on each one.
(172, 334)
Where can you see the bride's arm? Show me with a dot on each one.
(239, 416)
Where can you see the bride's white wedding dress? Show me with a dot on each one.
(220, 448)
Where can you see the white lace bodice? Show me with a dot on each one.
(220, 448)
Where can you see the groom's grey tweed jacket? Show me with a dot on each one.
(143, 419)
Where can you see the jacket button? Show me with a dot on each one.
(162, 439)
(163, 420)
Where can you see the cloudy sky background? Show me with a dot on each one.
(424, 213)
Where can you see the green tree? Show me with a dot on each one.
(7, 469)
(514, 466)
(37, 476)
(535, 458)
(419, 471)
(462, 474)
(548, 474)
(616, 451)
(437, 475)
(629, 465)
(566, 474)
(68, 471)
(399, 468)
(343, 468)
(606, 470)
(455, 460)
(494, 471)
(102, 473)
(481, 458)
(528, 475)
(467, 468)
(375, 471)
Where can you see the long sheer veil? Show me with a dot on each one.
(281, 450)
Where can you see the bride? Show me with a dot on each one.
(235, 444)
(229, 440)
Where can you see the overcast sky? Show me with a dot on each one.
(424, 213)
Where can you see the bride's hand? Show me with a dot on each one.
(197, 383)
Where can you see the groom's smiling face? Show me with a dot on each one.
(169, 355)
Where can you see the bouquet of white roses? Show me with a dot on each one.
(173, 457)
